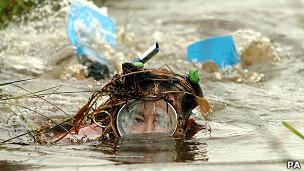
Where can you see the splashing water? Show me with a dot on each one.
(248, 101)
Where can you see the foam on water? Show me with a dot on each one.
(248, 101)
(30, 45)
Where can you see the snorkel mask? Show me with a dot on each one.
(146, 116)
(143, 101)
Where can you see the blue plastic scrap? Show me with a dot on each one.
(92, 21)
(220, 49)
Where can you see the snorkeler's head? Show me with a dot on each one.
(161, 101)
(142, 101)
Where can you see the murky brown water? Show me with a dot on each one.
(249, 103)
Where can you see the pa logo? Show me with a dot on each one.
(293, 164)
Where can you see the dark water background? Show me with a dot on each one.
(249, 103)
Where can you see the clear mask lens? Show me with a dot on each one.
(146, 117)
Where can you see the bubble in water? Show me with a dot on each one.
(254, 48)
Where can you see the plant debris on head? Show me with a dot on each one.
(140, 84)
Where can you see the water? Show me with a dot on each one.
(248, 102)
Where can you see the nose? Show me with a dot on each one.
(149, 127)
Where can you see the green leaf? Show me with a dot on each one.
(293, 130)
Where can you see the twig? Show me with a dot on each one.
(3, 84)
(44, 99)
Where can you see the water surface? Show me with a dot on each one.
(249, 103)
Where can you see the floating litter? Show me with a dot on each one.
(220, 49)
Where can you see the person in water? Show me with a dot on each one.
(140, 101)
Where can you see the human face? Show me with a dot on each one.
(147, 117)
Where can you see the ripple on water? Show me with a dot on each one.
(248, 102)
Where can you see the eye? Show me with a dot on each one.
(139, 120)
(162, 119)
